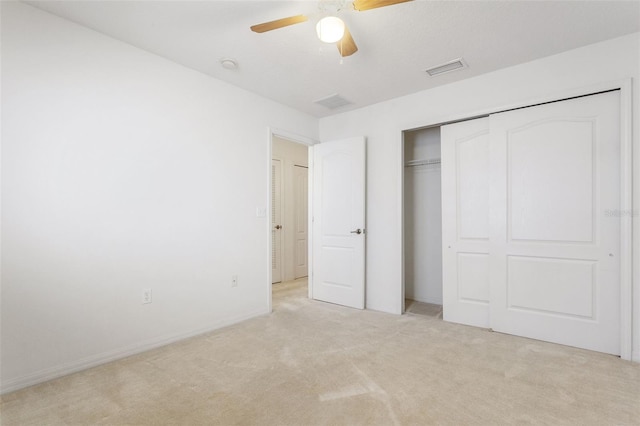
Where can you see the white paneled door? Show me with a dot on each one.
(465, 222)
(338, 200)
(301, 219)
(276, 221)
(528, 246)
(555, 268)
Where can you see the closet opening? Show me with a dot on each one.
(524, 194)
(422, 222)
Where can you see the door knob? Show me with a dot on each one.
(357, 231)
(278, 226)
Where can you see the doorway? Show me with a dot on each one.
(332, 251)
(422, 222)
(289, 210)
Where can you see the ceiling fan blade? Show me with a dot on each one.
(347, 46)
(361, 5)
(278, 23)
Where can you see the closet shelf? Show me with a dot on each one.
(426, 162)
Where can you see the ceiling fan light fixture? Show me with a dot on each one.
(330, 29)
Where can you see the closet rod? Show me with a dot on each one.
(427, 162)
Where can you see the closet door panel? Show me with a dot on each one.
(537, 162)
(472, 165)
(554, 262)
(465, 222)
(473, 277)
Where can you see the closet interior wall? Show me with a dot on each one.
(422, 216)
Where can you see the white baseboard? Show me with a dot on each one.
(635, 356)
(105, 357)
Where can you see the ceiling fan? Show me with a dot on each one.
(330, 28)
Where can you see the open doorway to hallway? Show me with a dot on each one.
(289, 211)
(290, 293)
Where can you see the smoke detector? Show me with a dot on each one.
(228, 63)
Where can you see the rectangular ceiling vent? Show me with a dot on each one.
(332, 102)
(456, 64)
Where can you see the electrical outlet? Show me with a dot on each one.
(146, 296)
(234, 281)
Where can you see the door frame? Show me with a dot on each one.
(302, 140)
(279, 209)
(628, 235)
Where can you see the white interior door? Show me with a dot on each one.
(555, 269)
(301, 218)
(465, 222)
(338, 249)
(276, 221)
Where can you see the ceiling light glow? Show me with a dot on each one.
(330, 29)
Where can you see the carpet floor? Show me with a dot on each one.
(313, 363)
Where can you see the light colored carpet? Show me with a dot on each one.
(312, 363)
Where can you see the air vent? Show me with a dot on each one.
(456, 64)
(332, 102)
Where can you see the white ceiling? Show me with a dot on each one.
(396, 43)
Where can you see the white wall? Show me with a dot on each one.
(383, 123)
(290, 154)
(123, 171)
(422, 218)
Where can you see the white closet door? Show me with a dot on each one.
(465, 222)
(555, 271)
